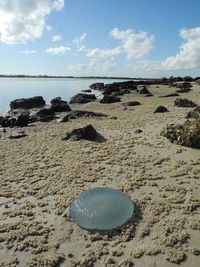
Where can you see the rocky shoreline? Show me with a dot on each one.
(143, 146)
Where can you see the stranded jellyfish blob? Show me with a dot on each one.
(101, 209)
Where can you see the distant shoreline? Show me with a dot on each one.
(71, 77)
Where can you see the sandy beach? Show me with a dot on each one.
(42, 174)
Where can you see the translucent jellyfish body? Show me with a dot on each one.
(101, 209)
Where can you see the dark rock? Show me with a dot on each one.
(183, 90)
(44, 115)
(170, 95)
(144, 91)
(150, 94)
(15, 119)
(107, 99)
(75, 114)
(126, 91)
(188, 79)
(119, 93)
(87, 91)
(88, 133)
(22, 120)
(27, 103)
(132, 103)
(185, 85)
(187, 134)
(82, 98)
(183, 102)
(118, 88)
(195, 113)
(138, 131)
(59, 105)
(97, 86)
(17, 135)
(56, 100)
(2, 120)
(161, 109)
(111, 89)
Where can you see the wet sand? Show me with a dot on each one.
(41, 175)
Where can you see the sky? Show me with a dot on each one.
(127, 38)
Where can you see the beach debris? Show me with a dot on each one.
(75, 114)
(17, 135)
(82, 98)
(161, 109)
(184, 102)
(131, 103)
(195, 113)
(107, 99)
(101, 209)
(59, 105)
(187, 134)
(88, 133)
(27, 103)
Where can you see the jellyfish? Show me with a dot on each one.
(101, 209)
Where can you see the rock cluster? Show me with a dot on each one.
(195, 113)
(75, 114)
(187, 134)
(184, 102)
(29, 110)
(184, 87)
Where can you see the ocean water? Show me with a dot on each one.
(13, 88)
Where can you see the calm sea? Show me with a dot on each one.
(13, 88)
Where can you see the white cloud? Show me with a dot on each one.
(78, 42)
(135, 45)
(189, 55)
(23, 20)
(58, 50)
(93, 68)
(56, 38)
(82, 48)
(77, 67)
(102, 53)
(29, 52)
(80, 39)
(145, 65)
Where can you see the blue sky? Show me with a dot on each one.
(135, 38)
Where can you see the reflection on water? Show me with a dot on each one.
(13, 88)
